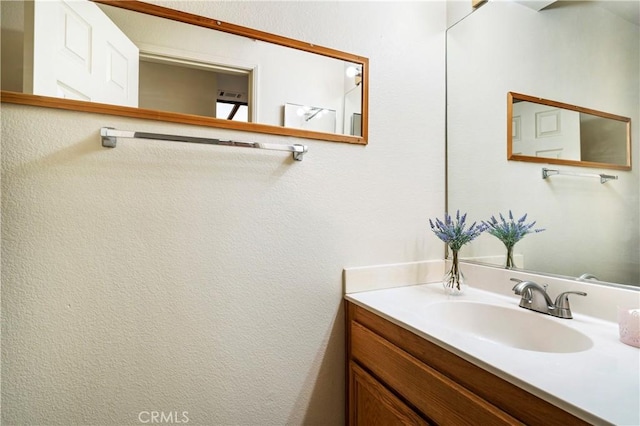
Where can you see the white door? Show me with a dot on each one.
(543, 131)
(77, 52)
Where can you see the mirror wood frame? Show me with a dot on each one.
(214, 24)
(511, 96)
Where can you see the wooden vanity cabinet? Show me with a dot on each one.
(374, 404)
(397, 377)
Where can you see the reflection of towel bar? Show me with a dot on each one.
(109, 136)
(603, 178)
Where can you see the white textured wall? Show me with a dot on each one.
(174, 277)
(575, 53)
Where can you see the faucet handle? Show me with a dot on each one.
(517, 281)
(562, 303)
(522, 285)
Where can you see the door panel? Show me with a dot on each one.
(77, 52)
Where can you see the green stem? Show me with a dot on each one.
(510, 263)
(454, 279)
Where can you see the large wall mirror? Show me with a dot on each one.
(553, 132)
(137, 59)
(583, 54)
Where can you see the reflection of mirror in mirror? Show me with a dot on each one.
(576, 52)
(557, 133)
(309, 117)
(166, 65)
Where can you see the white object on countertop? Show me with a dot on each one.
(629, 326)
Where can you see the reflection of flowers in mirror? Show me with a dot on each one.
(510, 232)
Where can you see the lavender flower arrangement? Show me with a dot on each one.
(510, 232)
(455, 234)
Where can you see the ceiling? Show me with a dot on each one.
(628, 10)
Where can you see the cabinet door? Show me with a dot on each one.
(370, 403)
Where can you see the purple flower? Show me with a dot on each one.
(510, 231)
(455, 233)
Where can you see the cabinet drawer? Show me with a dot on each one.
(437, 397)
(375, 405)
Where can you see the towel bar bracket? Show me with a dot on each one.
(300, 150)
(108, 141)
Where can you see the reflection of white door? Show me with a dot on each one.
(76, 52)
(542, 131)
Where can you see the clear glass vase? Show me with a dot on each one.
(509, 264)
(453, 281)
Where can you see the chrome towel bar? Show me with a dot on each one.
(109, 137)
(603, 178)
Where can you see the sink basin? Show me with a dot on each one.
(515, 327)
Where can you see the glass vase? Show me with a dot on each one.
(509, 263)
(453, 281)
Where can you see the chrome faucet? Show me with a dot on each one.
(536, 298)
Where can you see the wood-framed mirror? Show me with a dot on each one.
(249, 75)
(545, 131)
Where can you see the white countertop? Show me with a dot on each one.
(600, 385)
